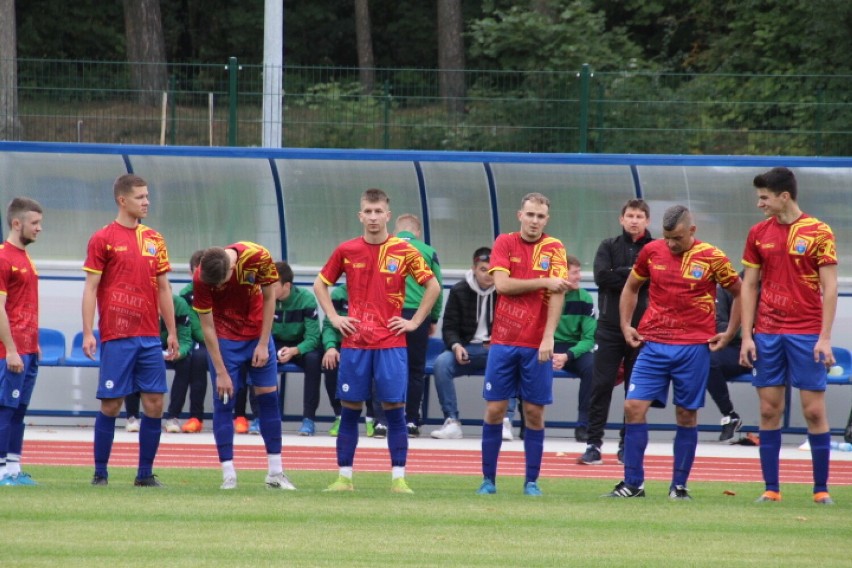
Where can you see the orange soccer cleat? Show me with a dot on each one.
(192, 426)
(241, 425)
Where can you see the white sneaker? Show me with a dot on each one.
(806, 446)
(173, 426)
(132, 424)
(229, 483)
(279, 481)
(507, 430)
(451, 430)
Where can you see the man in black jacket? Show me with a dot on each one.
(613, 262)
(466, 332)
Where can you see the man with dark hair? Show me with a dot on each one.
(296, 332)
(466, 331)
(575, 342)
(786, 331)
(19, 348)
(235, 302)
(190, 374)
(127, 266)
(676, 335)
(373, 357)
(529, 272)
(613, 262)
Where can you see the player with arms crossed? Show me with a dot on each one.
(530, 274)
(235, 301)
(792, 257)
(677, 333)
(373, 354)
(126, 277)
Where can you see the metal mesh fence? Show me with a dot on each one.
(571, 111)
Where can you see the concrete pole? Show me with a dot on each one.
(273, 72)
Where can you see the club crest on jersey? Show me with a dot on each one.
(800, 246)
(697, 271)
(150, 247)
(392, 264)
(544, 263)
(249, 277)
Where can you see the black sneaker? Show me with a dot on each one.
(100, 480)
(380, 431)
(150, 481)
(620, 455)
(623, 491)
(848, 435)
(413, 430)
(731, 424)
(679, 493)
(581, 434)
(592, 456)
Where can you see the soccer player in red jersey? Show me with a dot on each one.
(792, 256)
(18, 334)
(530, 273)
(235, 301)
(126, 277)
(373, 354)
(676, 333)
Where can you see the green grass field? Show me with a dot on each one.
(67, 522)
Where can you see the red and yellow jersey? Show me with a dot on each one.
(237, 305)
(789, 258)
(520, 320)
(375, 279)
(129, 262)
(682, 292)
(19, 283)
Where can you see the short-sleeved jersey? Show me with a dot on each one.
(789, 258)
(375, 280)
(682, 292)
(237, 305)
(520, 320)
(129, 262)
(19, 283)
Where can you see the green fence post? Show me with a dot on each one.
(173, 110)
(585, 76)
(387, 104)
(232, 101)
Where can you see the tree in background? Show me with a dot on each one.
(364, 43)
(10, 124)
(451, 54)
(146, 49)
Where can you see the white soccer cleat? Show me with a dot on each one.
(229, 483)
(279, 481)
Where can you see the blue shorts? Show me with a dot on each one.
(512, 371)
(17, 388)
(237, 356)
(361, 369)
(686, 367)
(131, 364)
(788, 360)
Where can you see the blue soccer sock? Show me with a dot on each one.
(347, 436)
(16, 430)
(820, 454)
(685, 444)
(104, 435)
(770, 452)
(150, 430)
(492, 441)
(397, 436)
(6, 413)
(223, 429)
(533, 450)
(635, 443)
(270, 421)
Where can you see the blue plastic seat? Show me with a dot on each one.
(843, 359)
(52, 343)
(77, 359)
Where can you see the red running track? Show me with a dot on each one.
(462, 462)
